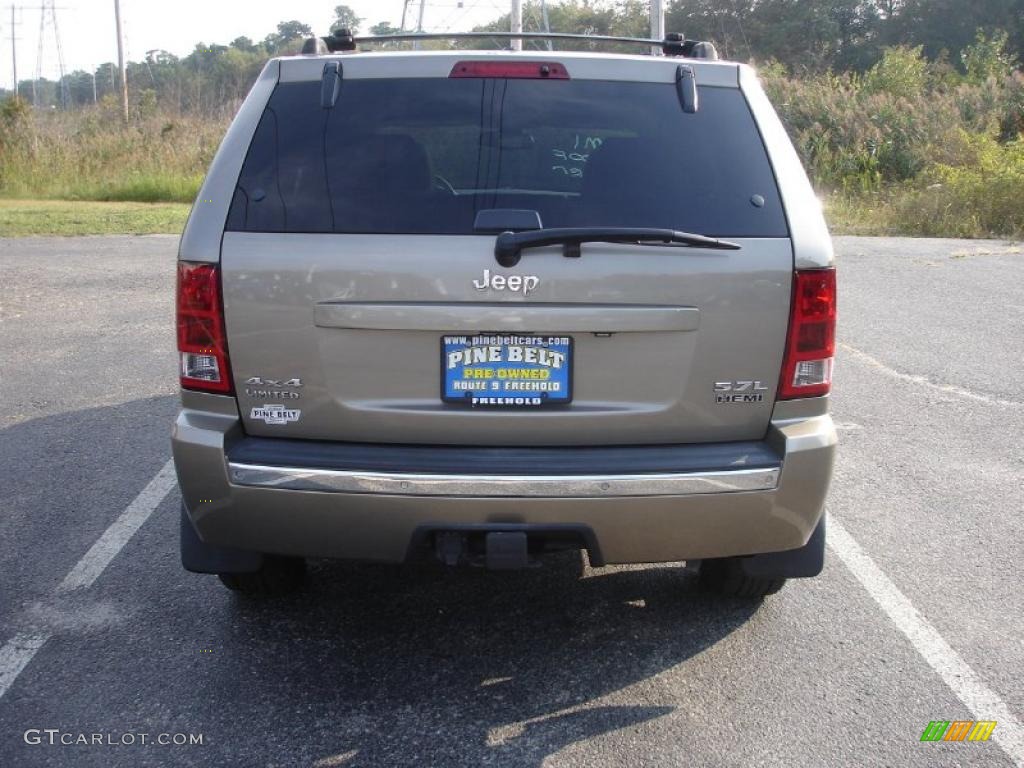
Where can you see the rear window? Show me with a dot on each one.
(423, 156)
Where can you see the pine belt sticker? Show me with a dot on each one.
(275, 414)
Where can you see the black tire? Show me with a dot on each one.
(725, 576)
(278, 576)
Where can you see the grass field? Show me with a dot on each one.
(19, 218)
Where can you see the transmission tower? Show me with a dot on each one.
(48, 10)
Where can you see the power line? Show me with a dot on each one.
(457, 15)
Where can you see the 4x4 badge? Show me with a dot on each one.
(259, 381)
(259, 388)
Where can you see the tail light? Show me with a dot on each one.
(202, 344)
(811, 345)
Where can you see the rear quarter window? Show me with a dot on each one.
(422, 156)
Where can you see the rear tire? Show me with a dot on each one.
(725, 576)
(277, 576)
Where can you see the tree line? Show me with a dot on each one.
(804, 36)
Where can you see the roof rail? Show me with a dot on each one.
(674, 43)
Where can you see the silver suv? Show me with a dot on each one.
(482, 305)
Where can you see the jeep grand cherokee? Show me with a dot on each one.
(482, 305)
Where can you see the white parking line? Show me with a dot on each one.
(18, 652)
(981, 700)
(924, 381)
(120, 531)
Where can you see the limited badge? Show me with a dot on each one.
(275, 414)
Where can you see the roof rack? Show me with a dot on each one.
(674, 43)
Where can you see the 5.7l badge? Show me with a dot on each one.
(739, 391)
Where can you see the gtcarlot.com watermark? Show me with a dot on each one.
(57, 737)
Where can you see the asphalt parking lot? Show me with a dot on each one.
(919, 615)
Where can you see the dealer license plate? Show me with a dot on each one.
(509, 370)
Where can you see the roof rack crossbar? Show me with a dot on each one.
(673, 44)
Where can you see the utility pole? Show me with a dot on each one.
(517, 24)
(120, 62)
(405, 9)
(419, 22)
(14, 55)
(657, 24)
(547, 25)
(39, 56)
(93, 88)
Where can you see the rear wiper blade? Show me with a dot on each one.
(509, 246)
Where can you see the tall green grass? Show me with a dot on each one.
(180, 187)
(89, 155)
(912, 147)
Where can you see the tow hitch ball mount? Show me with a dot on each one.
(503, 550)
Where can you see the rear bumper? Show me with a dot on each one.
(641, 504)
(503, 486)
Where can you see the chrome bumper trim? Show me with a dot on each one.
(547, 486)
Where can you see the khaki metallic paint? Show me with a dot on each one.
(380, 527)
(516, 318)
(653, 386)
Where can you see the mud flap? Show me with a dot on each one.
(800, 563)
(198, 557)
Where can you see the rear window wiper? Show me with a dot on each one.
(509, 246)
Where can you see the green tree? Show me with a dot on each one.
(987, 57)
(902, 72)
(345, 18)
(288, 32)
(243, 43)
(952, 25)
(384, 28)
(79, 86)
(803, 34)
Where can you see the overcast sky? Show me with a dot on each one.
(88, 38)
